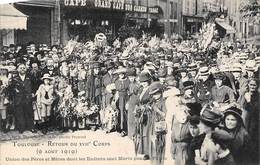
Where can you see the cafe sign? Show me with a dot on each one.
(111, 4)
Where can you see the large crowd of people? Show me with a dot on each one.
(180, 101)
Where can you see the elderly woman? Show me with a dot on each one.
(239, 145)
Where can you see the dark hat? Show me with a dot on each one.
(94, 64)
(155, 87)
(219, 76)
(194, 120)
(182, 69)
(188, 85)
(110, 65)
(235, 111)
(145, 76)
(162, 72)
(210, 117)
(131, 72)
(175, 60)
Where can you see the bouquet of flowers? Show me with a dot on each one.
(92, 110)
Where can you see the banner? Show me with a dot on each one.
(111, 4)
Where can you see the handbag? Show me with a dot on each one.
(160, 127)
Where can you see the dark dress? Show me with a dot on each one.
(122, 87)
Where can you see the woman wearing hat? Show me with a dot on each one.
(131, 103)
(140, 136)
(233, 124)
(45, 99)
(157, 124)
(213, 150)
(122, 88)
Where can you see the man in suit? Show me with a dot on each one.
(22, 87)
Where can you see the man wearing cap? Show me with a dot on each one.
(203, 86)
(21, 85)
(192, 70)
(220, 91)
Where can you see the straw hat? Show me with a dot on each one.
(120, 70)
(47, 76)
(237, 67)
(204, 71)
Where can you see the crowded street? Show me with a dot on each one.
(128, 95)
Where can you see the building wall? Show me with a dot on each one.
(38, 25)
(246, 29)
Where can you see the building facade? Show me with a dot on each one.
(42, 23)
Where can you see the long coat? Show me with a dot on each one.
(133, 99)
(22, 91)
(94, 89)
(142, 137)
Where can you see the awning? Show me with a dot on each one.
(11, 18)
(41, 3)
(229, 29)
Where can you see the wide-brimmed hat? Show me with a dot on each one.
(120, 70)
(144, 76)
(188, 85)
(236, 68)
(155, 87)
(110, 65)
(250, 65)
(47, 76)
(131, 72)
(234, 111)
(210, 117)
(194, 120)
